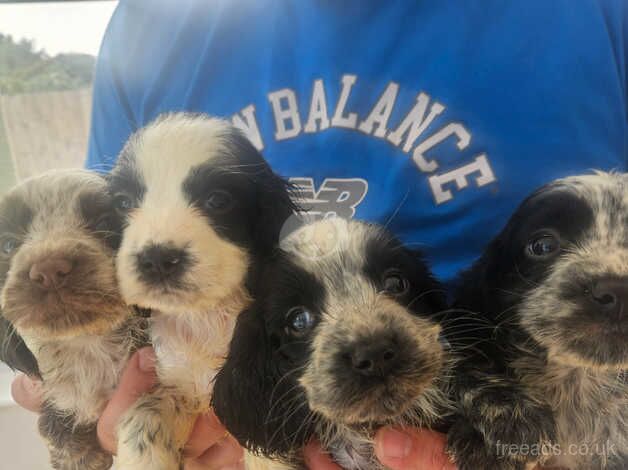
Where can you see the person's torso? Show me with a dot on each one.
(434, 118)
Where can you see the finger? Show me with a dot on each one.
(412, 449)
(27, 392)
(138, 378)
(195, 465)
(225, 453)
(238, 466)
(317, 459)
(207, 431)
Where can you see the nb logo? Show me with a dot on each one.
(335, 197)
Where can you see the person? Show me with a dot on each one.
(434, 118)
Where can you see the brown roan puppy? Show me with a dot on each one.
(62, 317)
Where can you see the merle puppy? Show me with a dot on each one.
(342, 338)
(202, 210)
(545, 377)
(62, 317)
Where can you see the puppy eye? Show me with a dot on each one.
(395, 283)
(123, 203)
(543, 246)
(299, 321)
(103, 223)
(218, 201)
(8, 246)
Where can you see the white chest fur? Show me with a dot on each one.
(591, 412)
(190, 349)
(80, 374)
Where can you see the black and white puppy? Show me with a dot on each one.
(62, 317)
(545, 377)
(202, 210)
(342, 338)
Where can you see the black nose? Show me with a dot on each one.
(376, 358)
(159, 263)
(610, 294)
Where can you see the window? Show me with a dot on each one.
(47, 56)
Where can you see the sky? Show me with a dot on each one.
(58, 26)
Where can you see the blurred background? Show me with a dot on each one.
(47, 56)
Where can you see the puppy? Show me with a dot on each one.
(545, 377)
(202, 210)
(342, 338)
(63, 319)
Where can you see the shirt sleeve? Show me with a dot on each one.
(112, 116)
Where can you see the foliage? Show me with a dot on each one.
(25, 70)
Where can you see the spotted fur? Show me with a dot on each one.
(77, 339)
(280, 388)
(547, 345)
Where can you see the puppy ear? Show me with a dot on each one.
(274, 195)
(435, 292)
(484, 298)
(475, 287)
(242, 387)
(259, 404)
(276, 206)
(14, 352)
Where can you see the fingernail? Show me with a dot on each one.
(395, 444)
(146, 359)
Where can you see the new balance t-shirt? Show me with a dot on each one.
(435, 118)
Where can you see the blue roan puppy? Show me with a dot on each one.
(62, 317)
(202, 210)
(547, 350)
(342, 338)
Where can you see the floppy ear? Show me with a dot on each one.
(242, 387)
(474, 284)
(14, 352)
(435, 292)
(274, 194)
(256, 402)
(490, 286)
(276, 206)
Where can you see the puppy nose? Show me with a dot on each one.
(610, 294)
(159, 263)
(374, 359)
(50, 273)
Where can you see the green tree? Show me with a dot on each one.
(26, 70)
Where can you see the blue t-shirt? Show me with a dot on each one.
(435, 118)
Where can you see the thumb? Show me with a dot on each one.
(27, 392)
(412, 449)
(137, 378)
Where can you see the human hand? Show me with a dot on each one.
(398, 449)
(209, 446)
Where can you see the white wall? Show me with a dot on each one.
(21, 447)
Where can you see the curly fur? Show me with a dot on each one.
(276, 390)
(547, 357)
(166, 174)
(76, 339)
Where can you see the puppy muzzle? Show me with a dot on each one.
(60, 286)
(375, 372)
(581, 311)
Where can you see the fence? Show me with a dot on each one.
(44, 131)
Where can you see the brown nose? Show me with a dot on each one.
(50, 273)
